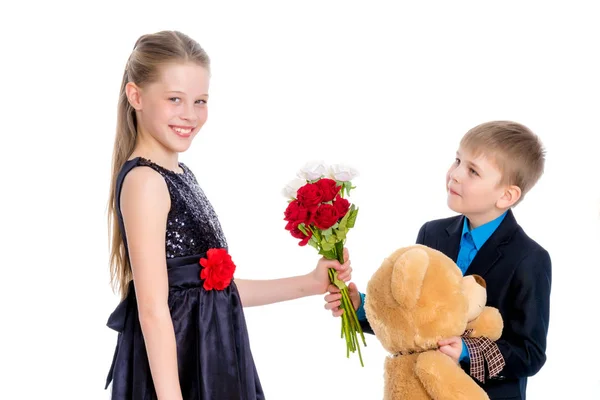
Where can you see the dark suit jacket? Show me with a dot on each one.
(517, 272)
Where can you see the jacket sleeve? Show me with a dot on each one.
(421, 235)
(523, 343)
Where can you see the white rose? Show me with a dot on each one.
(342, 173)
(312, 171)
(290, 190)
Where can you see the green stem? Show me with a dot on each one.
(355, 342)
(350, 324)
(348, 339)
(347, 324)
(355, 322)
(339, 251)
(360, 354)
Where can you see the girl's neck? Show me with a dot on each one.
(157, 153)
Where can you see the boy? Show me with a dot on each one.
(497, 163)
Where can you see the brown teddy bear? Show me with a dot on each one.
(416, 298)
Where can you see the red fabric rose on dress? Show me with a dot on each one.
(326, 216)
(218, 269)
(329, 189)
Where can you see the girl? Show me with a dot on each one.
(182, 333)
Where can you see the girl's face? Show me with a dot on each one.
(172, 110)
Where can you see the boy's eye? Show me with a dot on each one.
(456, 161)
(201, 101)
(174, 99)
(471, 170)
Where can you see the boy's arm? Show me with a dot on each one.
(362, 317)
(523, 343)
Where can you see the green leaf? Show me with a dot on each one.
(337, 282)
(327, 232)
(341, 234)
(343, 223)
(342, 226)
(327, 247)
(352, 219)
(302, 229)
(348, 187)
(317, 235)
(329, 254)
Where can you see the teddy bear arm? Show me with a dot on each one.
(443, 379)
(400, 381)
(488, 324)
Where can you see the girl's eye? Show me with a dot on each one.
(456, 161)
(471, 170)
(175, 99)
(200, 101)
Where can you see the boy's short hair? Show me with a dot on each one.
(515, 149)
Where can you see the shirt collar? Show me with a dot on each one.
(482, 233)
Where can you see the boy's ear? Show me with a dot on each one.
(511, 195)
(134, 95)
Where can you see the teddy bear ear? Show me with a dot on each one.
(479, 280)
(408, 275)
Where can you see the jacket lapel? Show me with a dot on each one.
(491, 252)
(449, 241)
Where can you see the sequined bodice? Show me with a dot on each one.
(192, 224)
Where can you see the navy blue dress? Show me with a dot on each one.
(213, 350)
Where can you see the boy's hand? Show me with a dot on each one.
(333, 299)
(452, 347)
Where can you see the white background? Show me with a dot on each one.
(387, 88)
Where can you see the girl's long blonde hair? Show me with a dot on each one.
(150, 52)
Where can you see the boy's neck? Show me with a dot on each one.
(479, 219)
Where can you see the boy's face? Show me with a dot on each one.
(473, 186)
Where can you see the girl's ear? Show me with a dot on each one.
(134, 95)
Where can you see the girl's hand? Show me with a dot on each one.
(320, 275)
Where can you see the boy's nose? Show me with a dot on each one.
(454, 175)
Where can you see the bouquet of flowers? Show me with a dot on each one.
(319, 215)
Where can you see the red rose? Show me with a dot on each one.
(218, 269)
(297, 233)
(341, 206)
(295, 214)
(326, 216)
(329, 188)
(310, 195)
